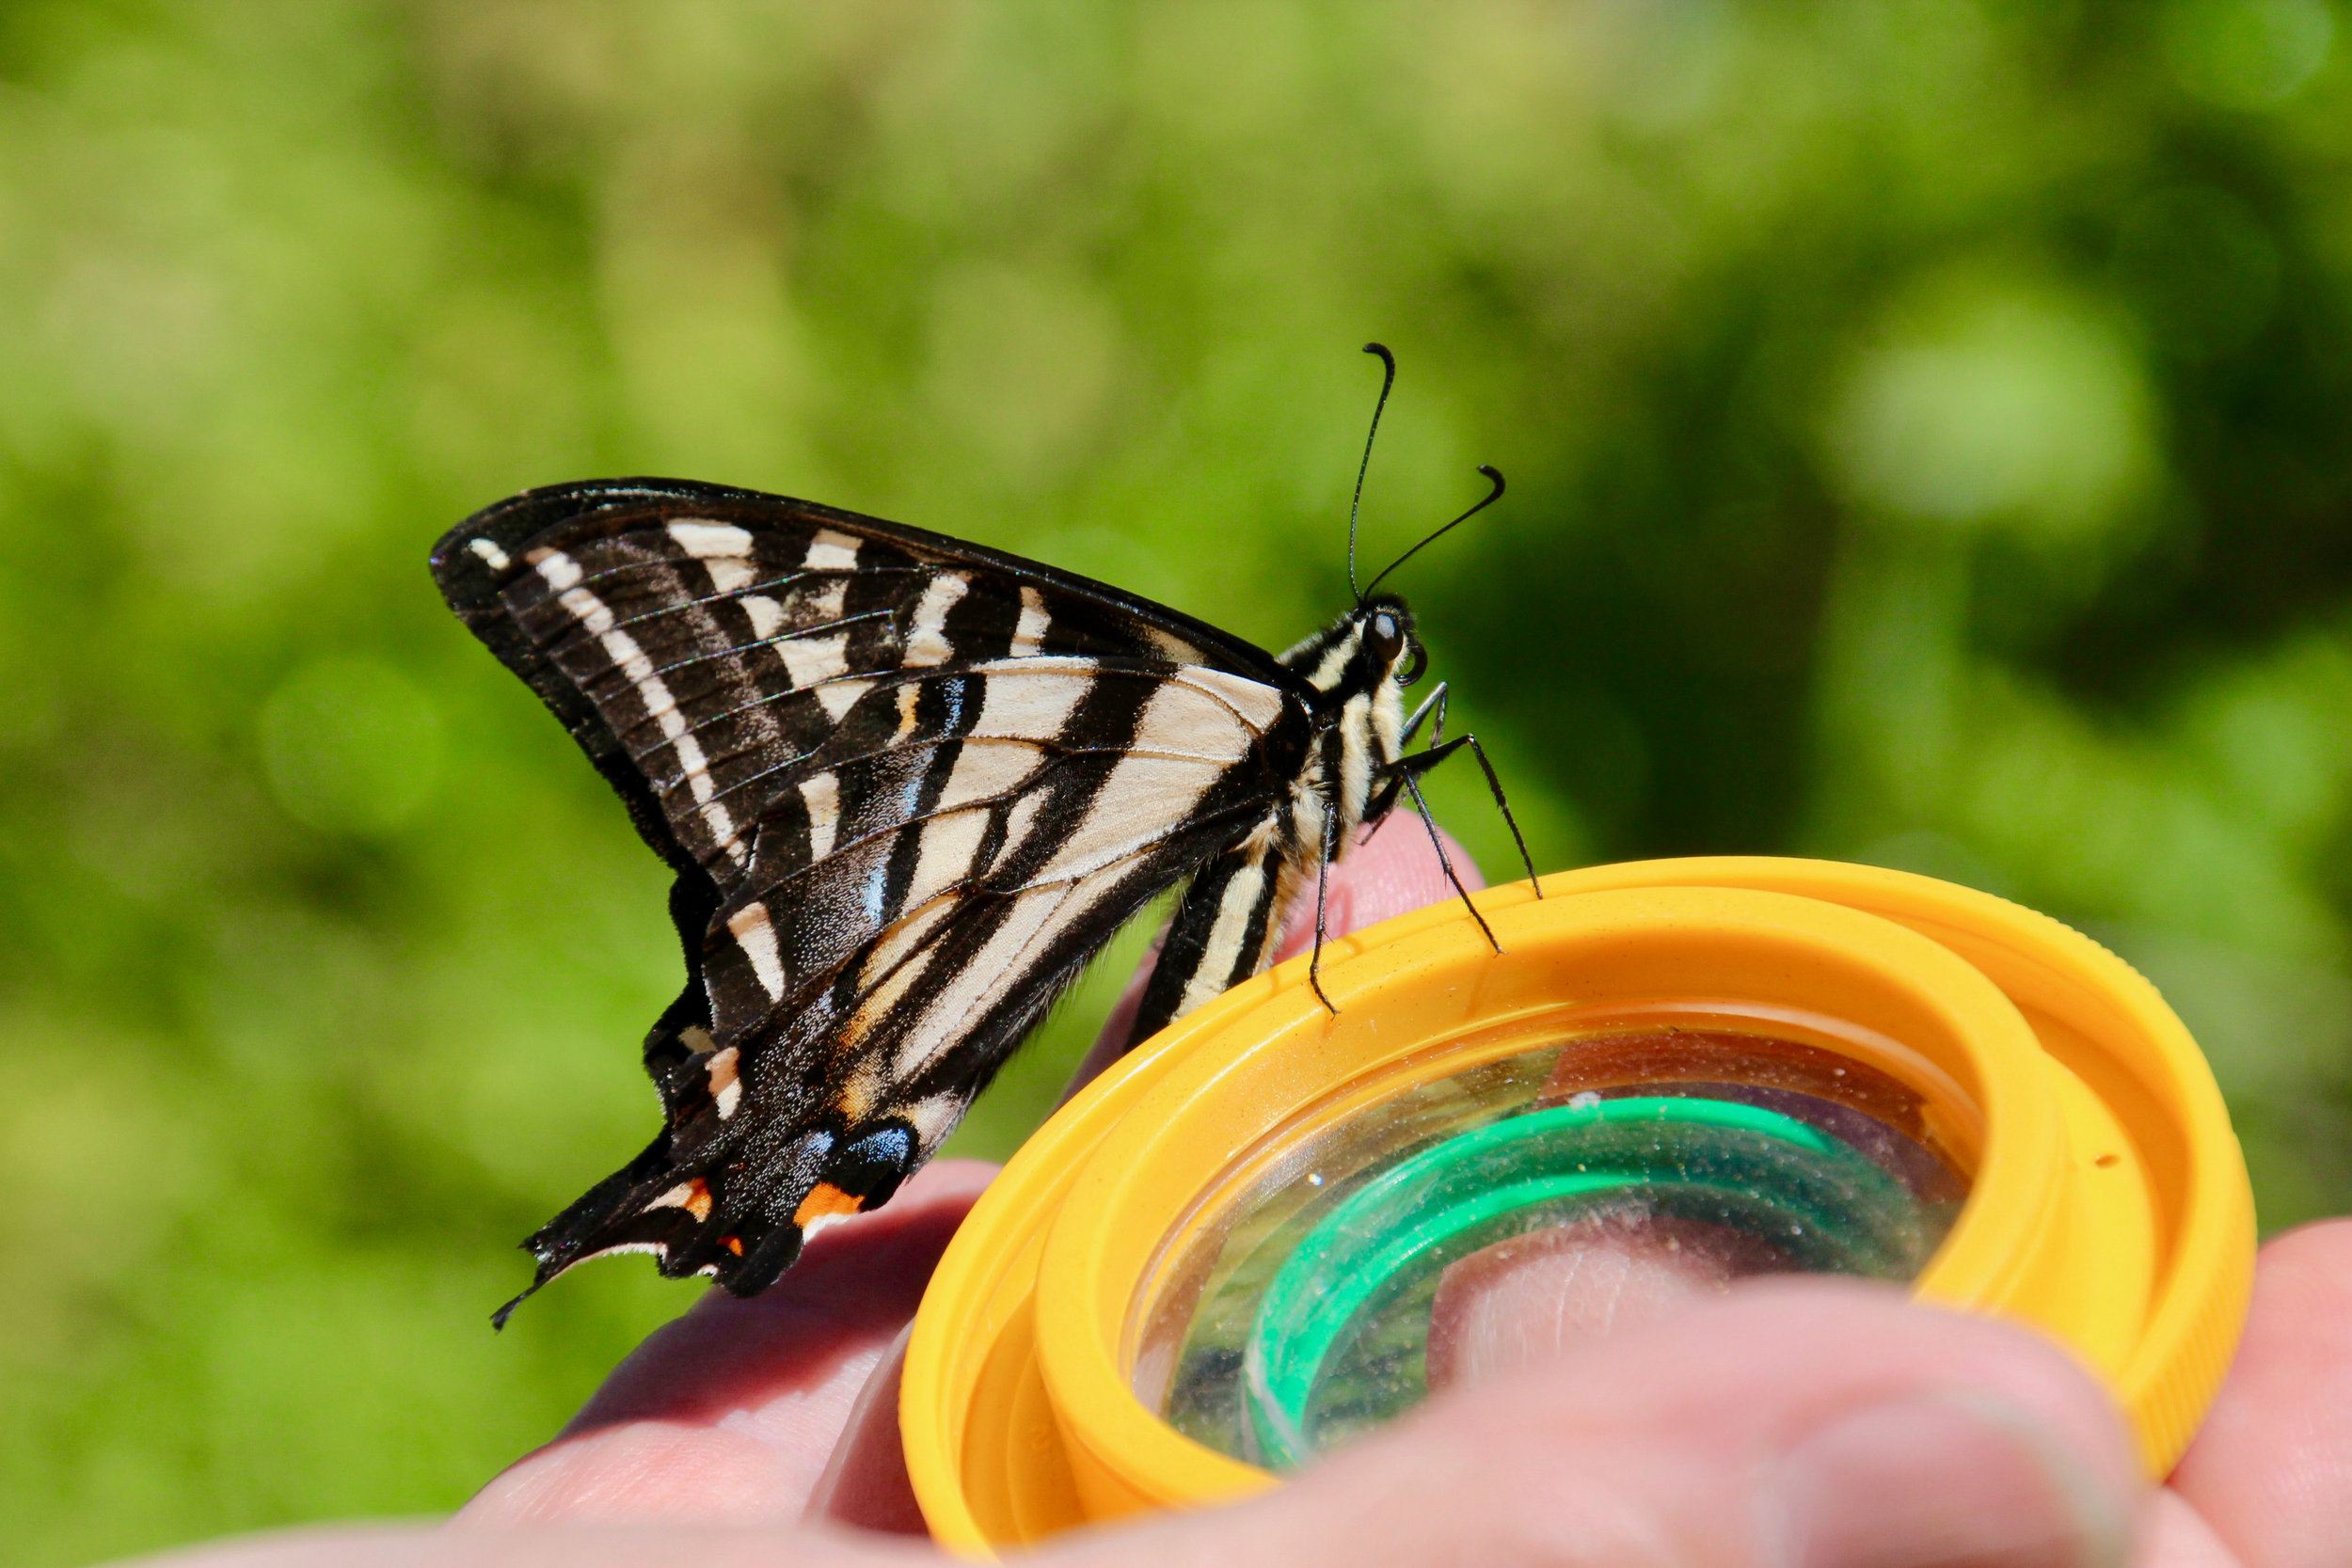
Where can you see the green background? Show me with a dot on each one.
(1926, 421)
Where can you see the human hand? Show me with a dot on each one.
(1798, 1423)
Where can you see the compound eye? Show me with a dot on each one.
(1419, 662)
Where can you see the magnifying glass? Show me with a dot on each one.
(1480, 1207)
(1271, 1230)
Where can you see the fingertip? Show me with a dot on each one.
(1398, 869)
(2316, 1257)
(1841, 1333)
(2270, 1469)
(1965, 1475)
(1395, 871)
(1821, 1423)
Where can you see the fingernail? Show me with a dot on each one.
(1944, 1481)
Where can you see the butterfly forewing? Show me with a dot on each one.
(910, 787)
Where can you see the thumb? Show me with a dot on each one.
(1790, 1424)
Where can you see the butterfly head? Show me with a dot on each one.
(1389, 644)
(1370, 650)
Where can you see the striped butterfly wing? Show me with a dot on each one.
(908, 786)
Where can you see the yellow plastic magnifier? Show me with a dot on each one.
(1222, 1257)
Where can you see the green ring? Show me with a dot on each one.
(1720, 1149)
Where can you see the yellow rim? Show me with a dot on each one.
(2109, 1204)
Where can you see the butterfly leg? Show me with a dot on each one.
(1502, 804)
(1403, 774)
(1445, 862)
(1439, 750)
(1323, 879)
(1422, 762)
(1434, 703)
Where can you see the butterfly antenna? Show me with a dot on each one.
(1494, 476)
(1388, 380)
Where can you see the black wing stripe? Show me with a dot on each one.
(936, 1037)
(822, 661)
(859, 888)
(768, 589)
(895, 848)
(731, 650)
(711, 661)
(709, 822)
(942, 852)
(1181, 759)
(919, 1008)
(1024, 723)
(1028, 700)
(726, 584)
(1226, 927)
(749, 654)
(1021, 707)
(949, 977)
(960, 992)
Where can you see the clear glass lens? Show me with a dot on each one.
(1463, 1213)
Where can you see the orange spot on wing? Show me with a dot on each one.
(825, 1200)
(734, 1244)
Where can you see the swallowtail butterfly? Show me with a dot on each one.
(907, 786)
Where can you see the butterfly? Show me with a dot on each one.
(908, 786)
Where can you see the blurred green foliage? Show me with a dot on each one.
(1927, 428)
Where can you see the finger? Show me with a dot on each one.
(1801, 1424)
(731, 1413)
(1806, 1424)
(1530, 1298)
(2178, 1537)
(602, 1545)
(1393, 872)
(866, 1486)
(2271, 1468)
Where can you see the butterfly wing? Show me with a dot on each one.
(907, 786)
